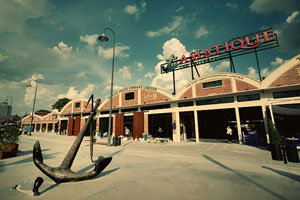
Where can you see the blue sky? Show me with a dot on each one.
(55, 42)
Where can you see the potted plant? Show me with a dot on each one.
(8, 142)
(275, 141)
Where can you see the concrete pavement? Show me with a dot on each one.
(187, 170)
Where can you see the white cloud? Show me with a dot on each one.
(63, 50)
(136, 10)
(91, 40)
(223, 66)
(115, 89)
(265, 72)
(252, 73)
(201, 32)
(124, 72)
(177, 22)
(172, 46)
(108, 53)
(140, 66)
(179, 9)
(232, 5)
(278, 61)
(15, 14)
(73, 93)
(81, 75)
(2, 57)
(35, 76)
(149, 75)
(269, 6)
(165, 81)
(291, 18)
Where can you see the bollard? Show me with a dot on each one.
(37, 183)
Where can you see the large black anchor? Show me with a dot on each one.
(63, 173)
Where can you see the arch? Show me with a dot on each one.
(286, 74)
(147, 94)
(68, 107)
(232, 82)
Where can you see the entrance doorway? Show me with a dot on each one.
(103, 125)
(213, 123)
(187, 125)
(160, 125)
(128, 122)
(63, 127)
(252, 123)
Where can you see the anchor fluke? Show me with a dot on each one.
(63, 173)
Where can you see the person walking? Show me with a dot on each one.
(229, 134)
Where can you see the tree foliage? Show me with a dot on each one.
(274, 133)
(60, 103)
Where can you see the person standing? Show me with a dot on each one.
(229, 134)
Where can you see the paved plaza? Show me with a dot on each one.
(139, 170)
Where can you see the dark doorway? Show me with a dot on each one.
(252, 122)
(128, 122)
(212, 123)
(56, 128)
(63, 127)
(38, 127)
(160, 125)
(103, 125)
(187, 125)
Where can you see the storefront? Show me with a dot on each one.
(202, 109)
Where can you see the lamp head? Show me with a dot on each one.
(28, 84)
(103, 37)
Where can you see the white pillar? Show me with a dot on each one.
(238, 122)
(271, 112)
(264, 111)
(177, 127)
(196, 125)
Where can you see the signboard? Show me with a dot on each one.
(240, 46)
(250, 43)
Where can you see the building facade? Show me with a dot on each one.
(201, 109)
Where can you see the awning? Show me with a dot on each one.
(285, 111)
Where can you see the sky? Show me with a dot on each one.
(55, 43)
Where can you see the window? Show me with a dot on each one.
(285, 94)
(251, 97)
(77, 105)
(155, 107)
(129, 96)
(215, 101)
(129, 110)
(185, 104)
(212, 84)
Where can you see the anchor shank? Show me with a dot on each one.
(69, 158)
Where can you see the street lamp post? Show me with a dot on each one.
(11, 100)
(29, 85)
(103, 38)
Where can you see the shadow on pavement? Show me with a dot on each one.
(47, 156)
(283, 173)
(22, 153)
(49, 188)
(244, 177)
(92, 165)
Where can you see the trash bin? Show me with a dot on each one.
(292, 153)
(115, 142)
(98, 135)
(145, 136)
(119, 141)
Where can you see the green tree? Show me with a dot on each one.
(60, 103)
